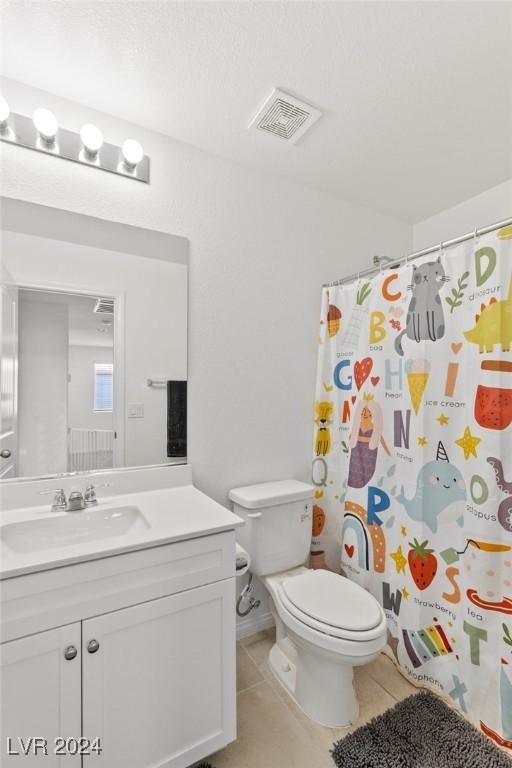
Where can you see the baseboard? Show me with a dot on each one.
(251, 624)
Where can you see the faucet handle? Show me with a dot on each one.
(59, 499)
(90, 498)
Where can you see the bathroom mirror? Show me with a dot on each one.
(94, 344)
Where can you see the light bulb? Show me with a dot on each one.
(46, 123)
(4, 112)
(92, 139)
(132, 153)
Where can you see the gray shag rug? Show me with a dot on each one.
(419, 732)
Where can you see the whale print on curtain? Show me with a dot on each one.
(412, 465)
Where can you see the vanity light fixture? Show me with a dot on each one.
(132, 154)
(92, 140)
(46, 124)
(43, 134)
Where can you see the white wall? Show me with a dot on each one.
(260, 248)
(155, 320)
(489, 207)
(81, 411)
(42, 393)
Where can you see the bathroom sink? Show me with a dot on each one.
(34, 539)
(73, 528)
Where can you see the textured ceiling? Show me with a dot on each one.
(417, 97)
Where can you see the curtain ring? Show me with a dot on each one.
(475, 236)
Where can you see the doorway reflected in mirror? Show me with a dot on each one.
(66, 403)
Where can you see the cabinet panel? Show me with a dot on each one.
(40, 601)
(160, 689)
(40, 695)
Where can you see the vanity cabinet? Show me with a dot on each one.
(153, 680)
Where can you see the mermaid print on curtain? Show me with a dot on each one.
(412, 465)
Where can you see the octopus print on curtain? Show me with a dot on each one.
(412, 465)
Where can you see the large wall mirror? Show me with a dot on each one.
(93, 342)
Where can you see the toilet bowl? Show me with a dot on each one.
(325, 624)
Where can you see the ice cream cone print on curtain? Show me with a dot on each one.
(413, 482)
(418, 373)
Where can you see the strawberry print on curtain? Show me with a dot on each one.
(412, 465)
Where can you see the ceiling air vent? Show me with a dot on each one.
(285, 116)
(104, 306)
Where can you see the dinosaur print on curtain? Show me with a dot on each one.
(412, 465)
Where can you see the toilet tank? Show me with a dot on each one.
(278, 520)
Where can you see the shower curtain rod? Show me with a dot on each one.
(394, 263)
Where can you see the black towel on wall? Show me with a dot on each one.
(176, 419)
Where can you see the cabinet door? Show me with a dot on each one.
(159, 686)
(40, 696)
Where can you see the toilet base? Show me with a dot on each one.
(321, 686)
(284, 670)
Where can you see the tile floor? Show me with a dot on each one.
(274, 733)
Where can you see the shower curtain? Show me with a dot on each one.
(412, 465)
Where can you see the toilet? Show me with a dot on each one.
(325, 624)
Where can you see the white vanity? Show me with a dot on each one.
(118, 627)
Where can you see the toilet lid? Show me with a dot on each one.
(334, 600)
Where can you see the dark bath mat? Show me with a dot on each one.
(419, 732)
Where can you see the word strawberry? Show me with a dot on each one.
(423, 564)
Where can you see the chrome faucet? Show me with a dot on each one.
(77, 500)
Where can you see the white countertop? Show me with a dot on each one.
(172, 514)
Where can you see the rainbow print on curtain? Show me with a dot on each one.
(413, 465)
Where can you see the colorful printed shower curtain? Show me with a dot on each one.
(413, 465)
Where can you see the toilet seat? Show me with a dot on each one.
(331, 604)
